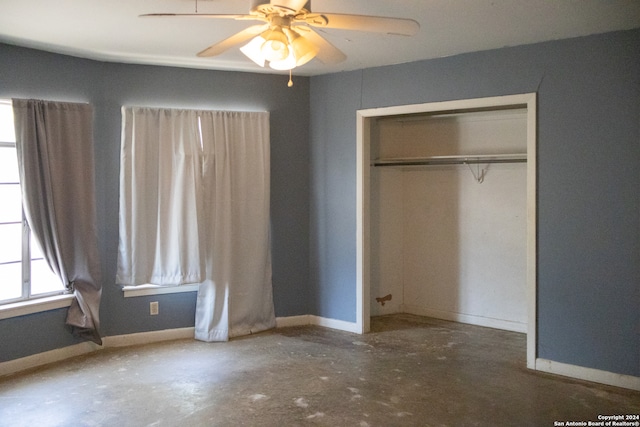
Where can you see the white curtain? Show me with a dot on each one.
(236, 299)
(160, 198)
(194, 207)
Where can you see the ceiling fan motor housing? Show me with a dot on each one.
(286, 7)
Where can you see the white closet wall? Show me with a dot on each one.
(443, 244)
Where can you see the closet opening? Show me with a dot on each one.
(446, 213)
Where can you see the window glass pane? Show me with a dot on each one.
(36, 252)
(42, 278)
(10, 281)
(9, 164)
(10, 243)
(10, 203)
(7, 131)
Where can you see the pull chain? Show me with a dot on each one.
(290, 81)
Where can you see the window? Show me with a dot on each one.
(24, 274)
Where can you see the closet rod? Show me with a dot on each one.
(450, 160)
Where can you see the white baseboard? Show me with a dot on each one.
(147, 337)
(488, 322)
(340, 325)
(52, 356)
(588, 374)
(285, 322)
(309, 319)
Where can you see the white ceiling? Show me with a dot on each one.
(110, 30)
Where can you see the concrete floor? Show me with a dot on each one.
(410, 371)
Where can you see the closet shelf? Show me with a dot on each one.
(451, 160)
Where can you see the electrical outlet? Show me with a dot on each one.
(153, 308)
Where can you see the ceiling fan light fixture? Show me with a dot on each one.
(275, 47)
(303, 50)
(288, 63)
(253, 50)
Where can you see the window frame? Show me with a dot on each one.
(28, 302)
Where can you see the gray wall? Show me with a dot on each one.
(588, 182)
(27, 73)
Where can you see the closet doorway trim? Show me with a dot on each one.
(363, 158)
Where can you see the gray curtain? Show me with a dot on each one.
(54, 141)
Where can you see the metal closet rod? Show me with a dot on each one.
(451, 160)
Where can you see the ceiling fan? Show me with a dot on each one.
(285, 39)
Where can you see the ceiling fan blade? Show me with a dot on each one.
(235, 39)
(327, 53)
(374, 24)
(200, 15)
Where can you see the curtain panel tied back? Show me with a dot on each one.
(54, 141)
(194, 208)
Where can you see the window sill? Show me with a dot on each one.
(36, 305)
(143, 290)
